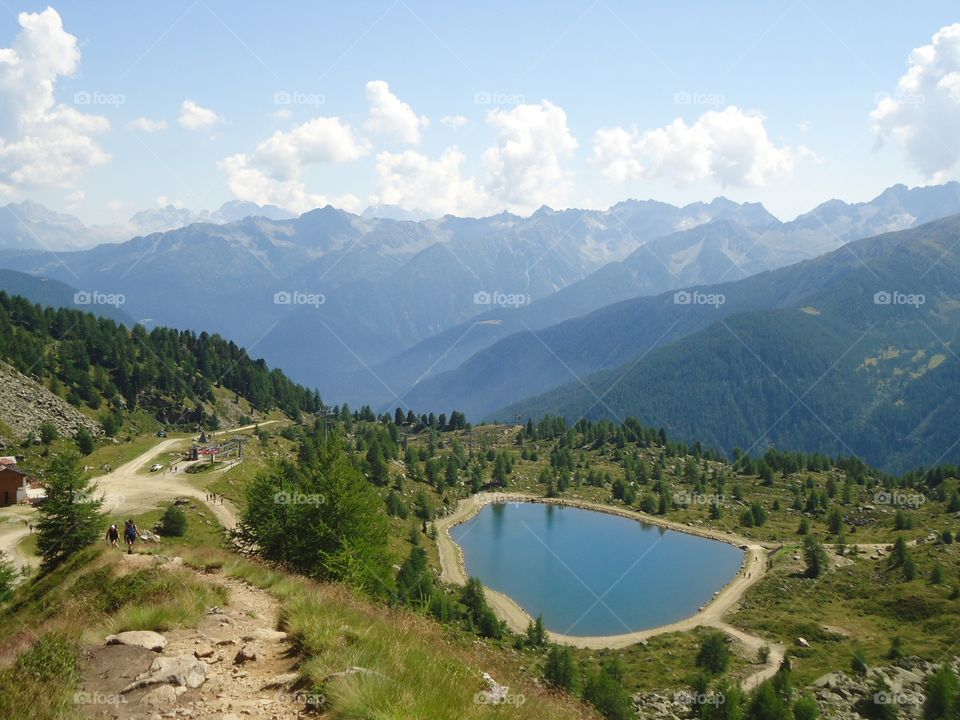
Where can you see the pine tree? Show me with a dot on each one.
(558, 671)
(70, 517)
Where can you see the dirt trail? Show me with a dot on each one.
(126, 491)
(517, 619)
(255, 688)
(12, 530)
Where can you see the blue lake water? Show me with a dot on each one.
(593, 573)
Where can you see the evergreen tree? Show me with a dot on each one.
(815, 556)
(558, 671)
(70, 517)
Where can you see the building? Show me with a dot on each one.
(11, 481)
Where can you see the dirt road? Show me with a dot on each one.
(517, 619)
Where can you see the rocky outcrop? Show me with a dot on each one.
(842, 696)
(25, 404)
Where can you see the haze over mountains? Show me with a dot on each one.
(31, 226)
(478, 314)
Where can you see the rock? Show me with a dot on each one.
(182, 670)
(495, 693)
(247, 653)
(146, 639)
(161, 698)
(280, 681)
(801, 642)
(266, 635)
(204, 650)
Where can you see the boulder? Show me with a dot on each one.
(182, 671)
(146, 639)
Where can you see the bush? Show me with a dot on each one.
(173, 523)
(84, 440)
(48, 432)
(606, 693)
(942, 692)
(714, 655)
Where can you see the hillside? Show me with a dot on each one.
(53, 293)
(740, 241)
(107, 372)
(400, 297)
(833, 369)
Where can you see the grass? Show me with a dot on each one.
(418, 668)
(40, 683)
(51, 616)
(664, 663)
(856, 608)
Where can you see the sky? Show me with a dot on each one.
(109, 108)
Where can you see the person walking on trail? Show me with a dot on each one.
(130, 533)
(113, 536)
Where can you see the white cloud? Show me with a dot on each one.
(42, 143)
(525, 163)
(923, 113)
(145, 124)
(197, 117)
(391, 117)
(75, 199)
(731, 147)
(272, 174)
(454, 121)
(413, 181)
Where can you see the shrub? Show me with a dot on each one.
(173, 523)
(48, 432)
(714, 655)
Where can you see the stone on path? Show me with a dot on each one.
(183, 670)
(146, 639)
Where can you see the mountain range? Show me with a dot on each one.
(484, 314)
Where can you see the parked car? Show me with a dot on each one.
(155, 467)
(161, 433)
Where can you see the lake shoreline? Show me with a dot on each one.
(453, 569)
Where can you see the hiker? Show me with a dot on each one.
(113, 536)
(130, 533)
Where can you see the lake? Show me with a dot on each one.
(593, 573)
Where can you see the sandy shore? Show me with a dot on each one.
(753, 568)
